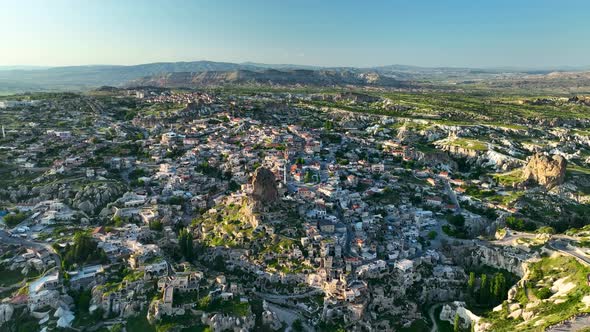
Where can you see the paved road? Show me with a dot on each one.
(513, 235)
(288, 297)
(431, 311)
(289, 316)
(561, 246)
(6, 238)
(576, 324)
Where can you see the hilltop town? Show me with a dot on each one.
(273, 209)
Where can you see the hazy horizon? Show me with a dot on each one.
(525, 34)
(551, 67)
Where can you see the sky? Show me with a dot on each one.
(457, 33)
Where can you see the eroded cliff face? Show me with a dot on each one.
(467, 319)
(95, 196)
(507, 258)
(547, 171)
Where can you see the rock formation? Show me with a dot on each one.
(405, 134)
(96, 196)
(434, 158)
(466, 317)
(506, 258)
(264, 186)
(548, 171)
(6, 311)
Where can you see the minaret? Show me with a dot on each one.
(3, 133)
(285, 172)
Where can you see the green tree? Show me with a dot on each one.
(499, 287)
(83, 250)
(185, 240)
(471, 282)
(457, 220)
(117, 328)
(484, 290)
(297, 325)
(233, 186)
(176, 200)
(308, 177)
(543, 293)
(156, 225)
(519, 224)
(119, 221)
(457, 323)
(12, 220)
(329, 125)
(219, 263)
(432, 235)
(205, 302)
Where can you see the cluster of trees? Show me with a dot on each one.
(156, 225)
(212, 171)
(458, 230)
(519, 224)
(487, 212)
(119, 221)
(309, 177)
(329, 125)
(176, 200)
(14, 219)
(331, 138)
(84, 250)
(492, 289)
(137, 173)
(174, 153)
(185, 240)
(457, 323)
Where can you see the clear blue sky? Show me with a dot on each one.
(530, 33)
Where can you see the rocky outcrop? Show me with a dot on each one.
(264, 186)
(507, 258)
(220, 322)
(547, 171)
(6, 311)
(94, 197)
(502, 161)
(434, 158)
(406, 134)
(467, 319)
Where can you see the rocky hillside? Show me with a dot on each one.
(270, 77)
(546, 171)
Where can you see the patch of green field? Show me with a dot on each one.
(509, 178)
(470, 144)
(140, 323)
(578, 169)
(8, 277)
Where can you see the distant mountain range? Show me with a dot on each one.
(287, 77)
(200, 73)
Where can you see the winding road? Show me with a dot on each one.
(562, 247)
(7, 239)
(431, 311)
(289, 316)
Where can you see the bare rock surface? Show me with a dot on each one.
(547, 171)
(264, 186)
